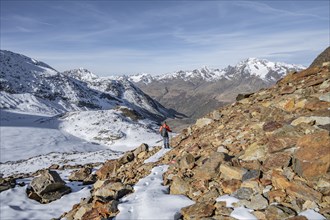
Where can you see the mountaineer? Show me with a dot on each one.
(164, 129)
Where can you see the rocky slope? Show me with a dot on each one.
(270, 150)
(32, 86)
(323, 57)
(196, 93)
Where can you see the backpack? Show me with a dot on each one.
(163, 132)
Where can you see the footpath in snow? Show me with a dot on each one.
(151, 200)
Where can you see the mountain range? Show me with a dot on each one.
(33, 86)
(197, 92)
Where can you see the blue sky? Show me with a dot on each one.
(127, 37)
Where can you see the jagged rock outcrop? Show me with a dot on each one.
(270, 149)
(47, 187)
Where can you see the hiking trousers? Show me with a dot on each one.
(166, 142)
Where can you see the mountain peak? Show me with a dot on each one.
(81, 74)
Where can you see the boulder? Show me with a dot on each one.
(179, 186)
(279, 212)
(230, 186)
(312, 159)
(251, 174)
(48, 186)
(187, 161)
(82, 210)
(7, 183)
(109, 169)
(271, 126)
(279, 181)
(91, 179)
(92, 214)
(258, 202)
(243, 193)
(143, 147)
(112, 190)
(127, 157)
(198, 211)
(209, 167)
(255, 151)
(230, 172)
(303, 192)
(81, 174)
(108, 209)
(277, 160)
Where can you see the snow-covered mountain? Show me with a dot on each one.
(197, 92)
(33, 86)
(251, 67)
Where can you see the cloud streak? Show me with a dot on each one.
(130, 37)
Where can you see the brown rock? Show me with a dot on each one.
(198, 211)
(312, 159)
(276, 196)
(279, 181)
(7, 183)
(230, 186)
(112, 190)
(109, 169)
(271, 126)
(277, 160)
(82, 210)
(303, 192)
(276, 144)
(210, 167)
(143, 147)
(187, 161)
(108, 209)
(92, 215)
(48, 186)
(230, 172)
(179, 186)
(127, 157)
(250, 165)
(81, 174)
(255, 151)
(317, 105)
(287, 90)
(275, 212)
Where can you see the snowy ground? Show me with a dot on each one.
(16, 205)
(151, 200)
(30, 142)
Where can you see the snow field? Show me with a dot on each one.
(16, 205)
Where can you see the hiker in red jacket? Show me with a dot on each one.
(164, 129)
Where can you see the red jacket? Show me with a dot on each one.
(166, 127)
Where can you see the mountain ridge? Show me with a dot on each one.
(251, 66)
(196, 93)
(27, 83)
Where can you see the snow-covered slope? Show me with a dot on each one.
(33, 86)
(260, 68)
(124, 90)
(251, 67)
